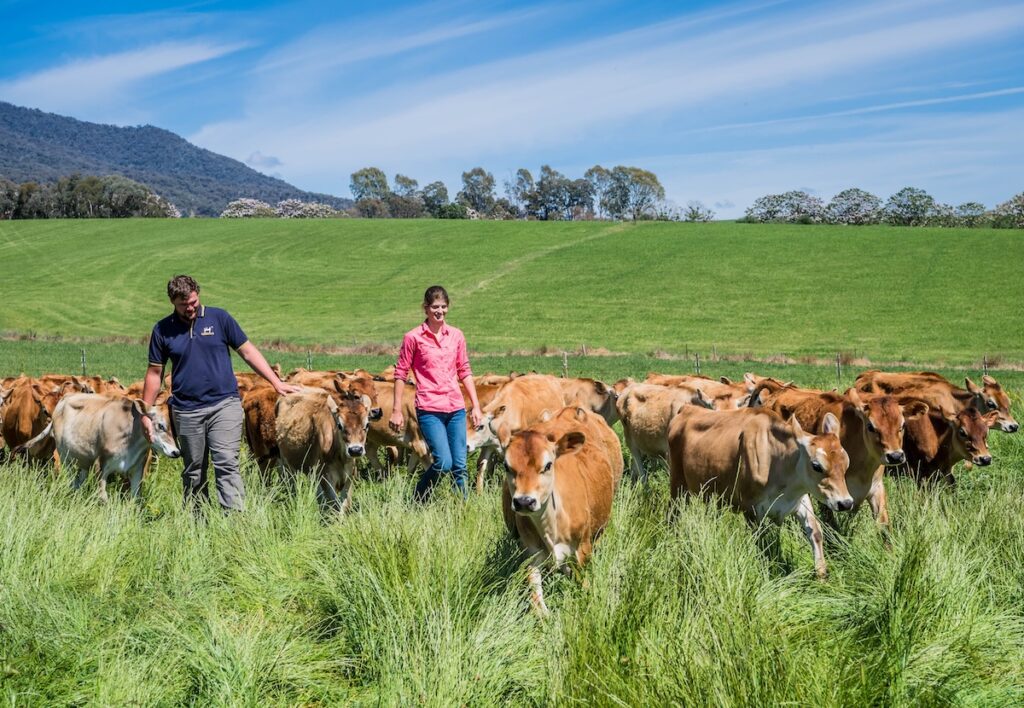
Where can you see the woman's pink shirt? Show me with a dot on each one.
(438, 363)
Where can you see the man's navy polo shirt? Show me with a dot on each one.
(201, 372)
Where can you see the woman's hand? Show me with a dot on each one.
(396, 422)
(477, 416)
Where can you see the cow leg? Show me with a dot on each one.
(482, 463)
(809, 524)
(136, 483)
(535, 579)
(101, 484)
(636, 461)
(346, 496)
(880, 509)
(328, 494)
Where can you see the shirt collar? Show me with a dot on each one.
(202, 313)
(443, 332)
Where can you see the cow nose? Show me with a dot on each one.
(1012, 427)
(175, 454)
(983, 461)
(355, 450)
(524, 503)
(844, 504)
(895, 457)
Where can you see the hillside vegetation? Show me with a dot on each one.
(42, 147)
(885, 293)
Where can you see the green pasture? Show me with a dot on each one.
(888, 294)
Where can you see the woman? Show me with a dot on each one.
(436, 353)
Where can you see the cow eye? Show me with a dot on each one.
(547, 467)
(992, 404)
(963, 433)
(479, 427)
(871, 427)
(817, 467)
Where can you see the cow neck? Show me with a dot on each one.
(548, 511)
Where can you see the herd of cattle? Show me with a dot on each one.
(764, 446)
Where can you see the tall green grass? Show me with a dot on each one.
(402, 604)
(880, 292)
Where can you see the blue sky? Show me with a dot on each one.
(723, 101)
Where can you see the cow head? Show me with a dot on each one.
(990, 397)
(361, 386)
(496, 428)
(351, 412)
(970, 435)
(823, 464)
(530, 459)
(883, 422)
(163, 442)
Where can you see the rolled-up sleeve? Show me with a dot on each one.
(405, 357)
(462, 368)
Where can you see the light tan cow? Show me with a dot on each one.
(646, 410)
(88, 428)
(724, 394)
(319, 436)
(761, 465)
(520, 403)
(487, 389)
(557, 496)
(592, 394)
(942, 395)
(871, 431)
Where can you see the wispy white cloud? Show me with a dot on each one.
(79, 86)
(570, 95)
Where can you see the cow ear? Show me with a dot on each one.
(601, 387)
(580, 414)
(853, 397)
(743, 402)
(702, 399)
(139, 405)
(829, 425)
(748, 378)
(276, 368)
(915, 408)
(725, 380)
(971, 386)
(339, 386)
(366, 401)
(989, 381)
(545, 416)
(501, 409)
(570, 442)
(990, 418)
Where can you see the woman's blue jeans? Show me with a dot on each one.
(445, 434)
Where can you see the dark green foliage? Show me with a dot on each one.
(43, 147)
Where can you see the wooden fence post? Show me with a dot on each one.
(565, 365)
(83, 364)
(696, 357)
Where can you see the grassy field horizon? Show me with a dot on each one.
(883, 293)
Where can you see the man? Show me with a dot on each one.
(205, 407)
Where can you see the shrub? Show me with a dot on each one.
(854, 207)
(909, 207)
(1009, 214)
(247, 208)
(452, 211)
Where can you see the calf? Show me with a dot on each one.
(646, 411)
(410, 440)
(317, 435)
(88, 428)
(557, 496)
(27, 411)
(942, 395)
(761, 465)
(934, 443)
(871, 431)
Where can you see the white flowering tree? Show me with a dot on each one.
(909, 207)
(854, 207)
(795, 207)
(1010, 214)
(971, 214)
(247, 208)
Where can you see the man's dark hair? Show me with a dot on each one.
(181, 286)
(433, 293)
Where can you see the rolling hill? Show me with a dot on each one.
(41, 147)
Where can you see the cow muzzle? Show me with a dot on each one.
(895, 457)
(844, 504)
(1009, 427)
(982, 460)
(355, 450)
(523, 504)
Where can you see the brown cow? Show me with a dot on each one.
(316, 434)
(410, 440)
(26, 412)
(557, 497)
(934, 443)
(871, 431)
(761, 465)
(593, 425)
(942, 395)
(592, 394)
(646, 411)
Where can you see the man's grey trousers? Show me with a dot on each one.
(212, 432)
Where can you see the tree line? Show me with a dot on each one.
(909, 206)
(82, 197)
(621, 192)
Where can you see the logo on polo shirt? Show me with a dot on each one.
(207, 332)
